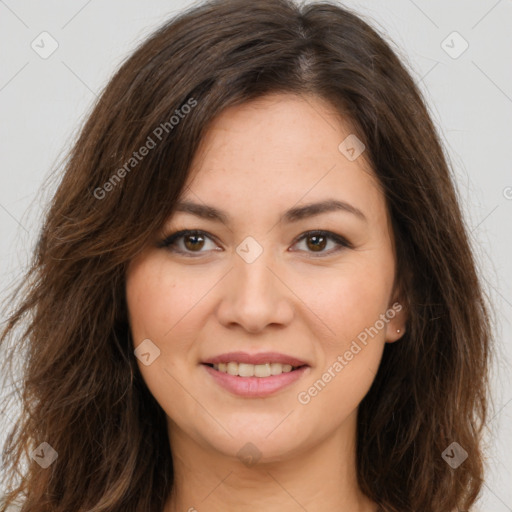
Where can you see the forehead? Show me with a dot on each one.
(280, 150)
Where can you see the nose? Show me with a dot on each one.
(255, 296)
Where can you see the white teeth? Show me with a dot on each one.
(232, 368)
(262, 370)
(253, 370)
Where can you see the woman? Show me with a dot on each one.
(254, 288)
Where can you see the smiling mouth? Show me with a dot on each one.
(254, 370)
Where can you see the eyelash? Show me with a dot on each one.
(169, 241)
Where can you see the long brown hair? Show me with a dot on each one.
(81, 389)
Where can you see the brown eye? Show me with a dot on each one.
(194, 242)
(316, 243)
(188, 242)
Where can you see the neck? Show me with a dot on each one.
(322, 477)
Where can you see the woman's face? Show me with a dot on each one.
(256, 281)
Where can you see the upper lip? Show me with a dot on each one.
(260, 358)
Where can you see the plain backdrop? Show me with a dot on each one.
(466, 78)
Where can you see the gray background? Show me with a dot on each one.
(43, 103)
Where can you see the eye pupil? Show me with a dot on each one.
(317, 248)
(193, 246)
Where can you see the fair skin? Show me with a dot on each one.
(257, 161)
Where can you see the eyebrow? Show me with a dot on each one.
(292, 215)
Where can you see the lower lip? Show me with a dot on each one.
(256, 387)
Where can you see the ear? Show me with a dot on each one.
(397, 313)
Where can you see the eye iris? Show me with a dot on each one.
(194, 244)
(315, 247)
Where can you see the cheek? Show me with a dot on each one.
(144, 296)
(158, 301)
(349, 299)
(158, 307)
(349, 353)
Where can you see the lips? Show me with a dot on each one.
(260, 358)
(255, 387)
(255, 375)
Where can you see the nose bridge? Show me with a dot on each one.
(253, 277)
(255, 297)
